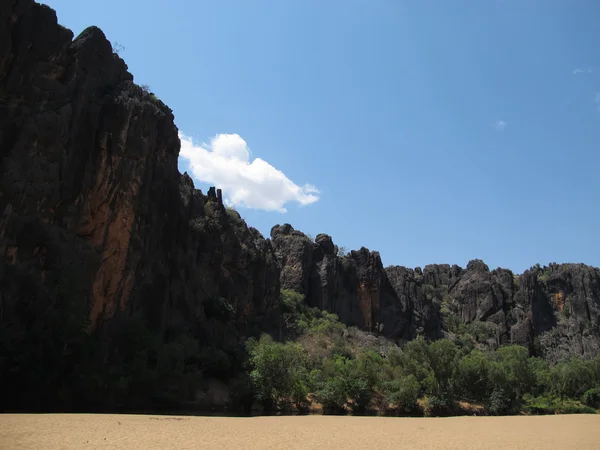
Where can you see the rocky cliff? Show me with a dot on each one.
(554, 310)
(355, 287)
(96, 221)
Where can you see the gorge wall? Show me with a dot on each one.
(554, 310)
(92, 202)
(96, 221)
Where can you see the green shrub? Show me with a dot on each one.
(591, 398)
(342, 384)
(549, 404)
(414, 359)
(480, 331)
(233, 215)
(473, 376)
(545, 275)
(443, 360)
(434, 406)
(278, 370)
(298, 318)
(573, 407)
(403, 393)
(368, 366)
(332, 395)
(499, 402)
(542, 404)
(299, 393)
(511, 372)
(326, 323)
(451, 321)
(360, 393)
(291, 302)
(339, 349)
(573, 377)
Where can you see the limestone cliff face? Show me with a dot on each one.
(564, 302)
(554, 311)
(355, 287)
(93, 210)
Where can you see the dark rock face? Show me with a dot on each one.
(553, 311)
(294, 252)
(565, 302)
(355, 287)
(423, 312)
(93, 211)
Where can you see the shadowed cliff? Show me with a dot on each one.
(96, 222)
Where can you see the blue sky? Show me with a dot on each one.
(434, 131)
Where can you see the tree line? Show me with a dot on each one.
(429, 378)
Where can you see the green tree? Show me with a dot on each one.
(368, 366)
(473, 376)
(512, 375)
(572, 377)
(433, 365)
(414, 359)
(278, 370)
(591, 398)
(341, 383)
(542, 371)
(403, 393)
(443, 360)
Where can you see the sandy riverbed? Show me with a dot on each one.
(87, 431)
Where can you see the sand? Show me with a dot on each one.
(90, 431)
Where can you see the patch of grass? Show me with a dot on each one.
(548, 404)
(545, 275)
(591, 398)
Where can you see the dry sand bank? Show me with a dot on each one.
(89, 431)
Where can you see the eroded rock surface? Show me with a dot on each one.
(554, 311)
(95, 219)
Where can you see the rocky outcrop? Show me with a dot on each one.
(554, 311)
(354, 286)
(95, 219)
(565, 308)
(423, 312)
(90, 186)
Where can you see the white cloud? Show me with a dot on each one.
(225, 162)
(500, 125)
